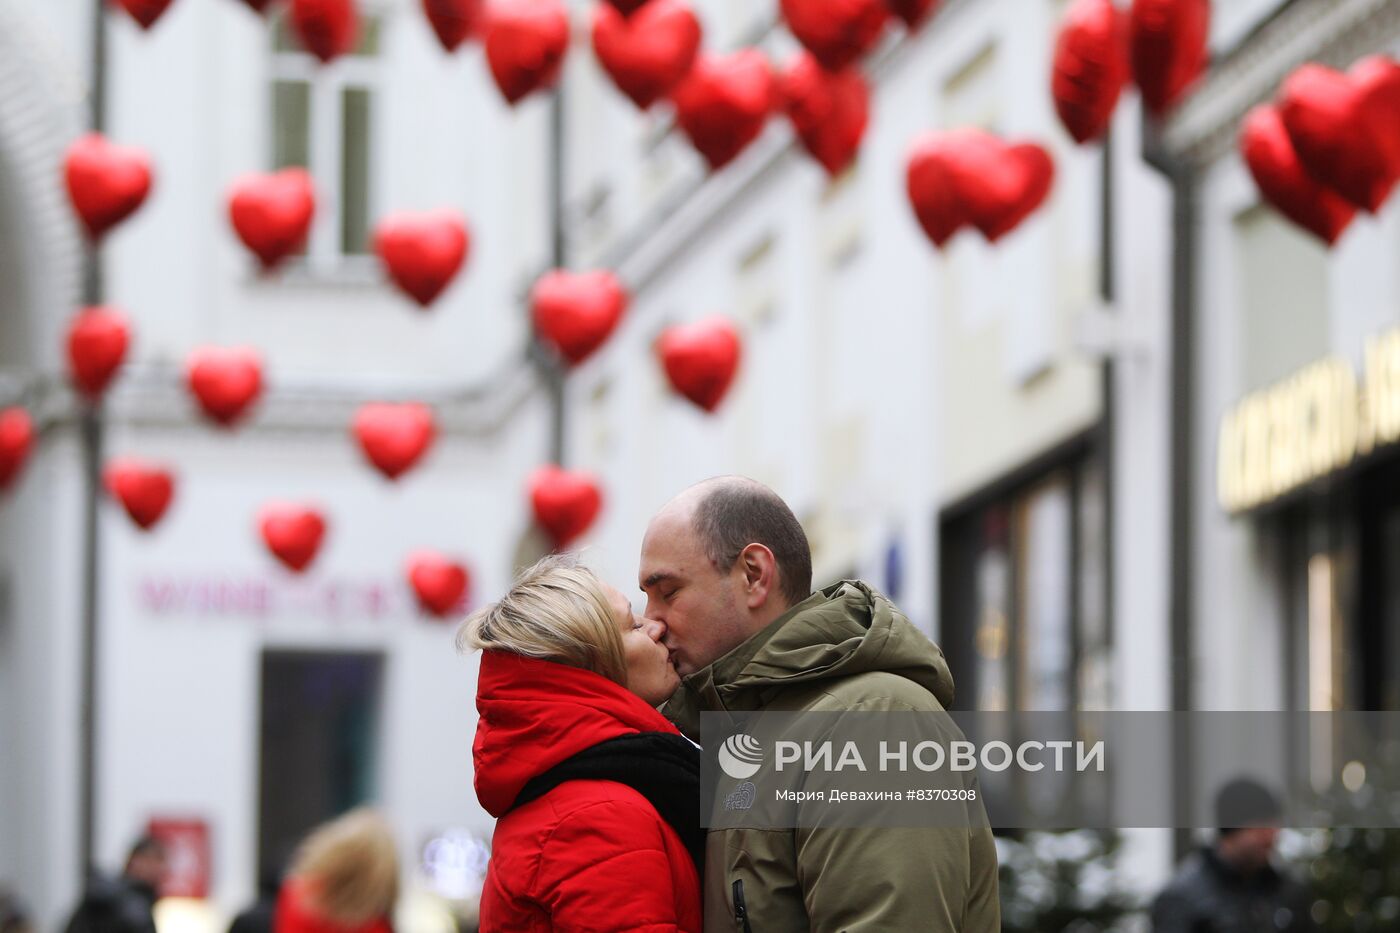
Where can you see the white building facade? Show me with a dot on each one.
(992, 434)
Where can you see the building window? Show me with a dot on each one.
(323, 120)
(1024, 594)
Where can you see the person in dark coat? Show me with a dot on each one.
(1233, 886)
(258, 917)
(124, 904)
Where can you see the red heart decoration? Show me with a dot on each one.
(422, 252)
(225, 381)
(1167, 41)
(969, 176)
(829, 111)
(1284, 182)
(701, 359)
(836, 32)
(932, 189)
(292, 533)
(143, 489)
(577, 311)
(565, 502)
(394, 437)
(145, 12)
(1090, 68)
(913, 12)
(627, 7)
(16, 440)
(998, 183)
(326, 28)
(1379, 79)
(1336, 127)
(98, 339)
(723, 104)
(272, 213)
(439, 582)
(260, 6)
(454, 21)
(526, 41)
(647, 54)
(106, 182)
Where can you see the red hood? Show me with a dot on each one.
(535, 714)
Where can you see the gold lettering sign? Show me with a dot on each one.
(1312, 424)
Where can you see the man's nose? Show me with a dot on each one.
(656, 629)
(655, 610)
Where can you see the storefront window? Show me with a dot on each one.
(1024, 596)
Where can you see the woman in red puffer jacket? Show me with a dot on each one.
(595, 793)
(345, 879)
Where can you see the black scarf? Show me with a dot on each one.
(662, 767)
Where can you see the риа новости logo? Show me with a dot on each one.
(741, 756)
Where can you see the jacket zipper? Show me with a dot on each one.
(741, 909)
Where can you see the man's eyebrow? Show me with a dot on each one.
(658, 577)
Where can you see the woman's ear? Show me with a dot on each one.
(760, 574)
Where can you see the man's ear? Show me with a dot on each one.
(760, 574)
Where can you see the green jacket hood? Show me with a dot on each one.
(839, 632)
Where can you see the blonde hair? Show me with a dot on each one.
(351, 868)
(556, 611)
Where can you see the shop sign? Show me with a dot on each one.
(1311, 425)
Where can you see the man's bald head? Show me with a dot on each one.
(720, 562)
(728, 513)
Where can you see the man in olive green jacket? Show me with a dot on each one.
(727, 568)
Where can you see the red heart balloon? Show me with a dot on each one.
(16, 440)
(723, 104)
(98, 339)
(998, 183)
(260, 6)
(627, 7)
(145, 12)
(829, 111)
(1336, 128)
(969, 176)
(933, 190)
(439, 582)
(1379, 79)
(143, 489)
(225, 381)
(701, 359)
(913, 12)
(526, 41)
(647, 54)
(565, 502)
(836, 32)
(577, 311)
(272, 213)
(394, 437)
(1090, 68)
(1284, 182)
(454, 21)
(326, 28)
(106, 182)
(1167, 41)
(422, 252)
(292, 533)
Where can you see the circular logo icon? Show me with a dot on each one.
(740, 756)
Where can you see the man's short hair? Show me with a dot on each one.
(733, 513)
(1244, 802)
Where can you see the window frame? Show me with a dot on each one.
(327, 84)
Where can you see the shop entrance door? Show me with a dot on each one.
(319, 745)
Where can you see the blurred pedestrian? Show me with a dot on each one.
(123, 904)
(1233, 886)
(345, 879)
(13, 919)
(258, 917)
(597, 795)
